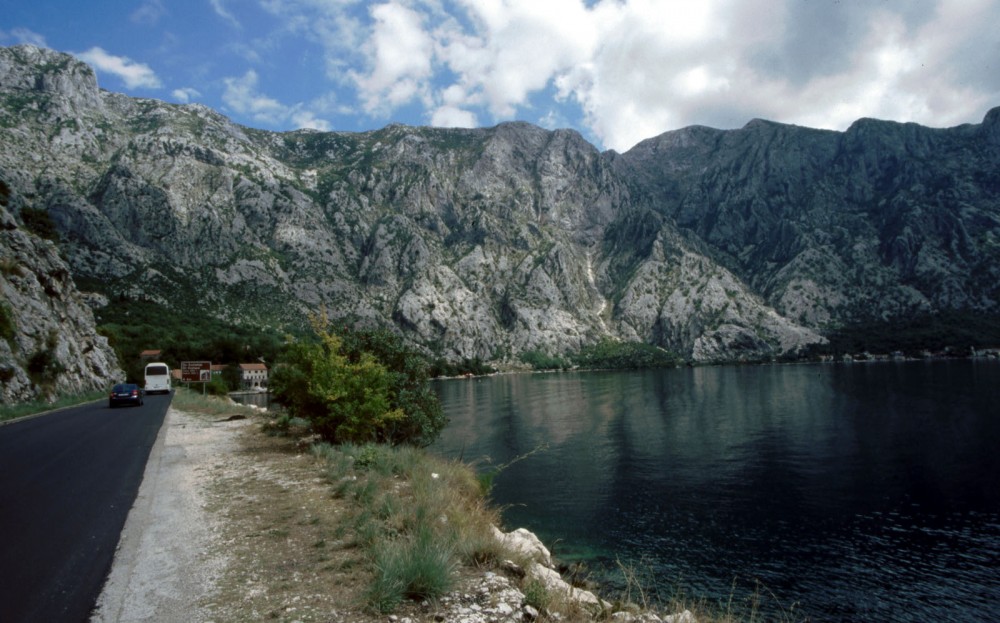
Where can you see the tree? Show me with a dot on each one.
(370, 391)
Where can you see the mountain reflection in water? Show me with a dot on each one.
(852, 491)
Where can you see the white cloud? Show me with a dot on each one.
(134, 75)
(220, 9)
(306, 119)
(453, 117)
(242, 96)
(185, 95)
(400, 54)
(149, 12)
(23, 35)
(636, 68)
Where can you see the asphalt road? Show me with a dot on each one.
(67, 482)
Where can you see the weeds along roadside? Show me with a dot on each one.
(419, 518)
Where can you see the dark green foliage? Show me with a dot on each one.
(43, 368)
(613, 355)
(133, 326)
(359, 387)
(231, 377)
(40, 223)
(408, 383)
(475, 367)
(542, 361)
(955, 330)
(217, 387)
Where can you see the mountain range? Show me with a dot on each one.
(717, 245)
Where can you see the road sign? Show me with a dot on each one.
(196, 371)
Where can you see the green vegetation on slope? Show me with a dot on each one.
(607, 354)
(133, 326)
(958, 331)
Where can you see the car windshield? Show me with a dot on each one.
(156, 371)
(124, 387)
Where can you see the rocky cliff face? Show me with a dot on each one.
(880, 221)
(491, 242)
(49, 344)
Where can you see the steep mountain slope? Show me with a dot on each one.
(48, 342)
(492, 242)
(881, 221)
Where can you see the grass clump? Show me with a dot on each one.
(193, 402)
(418, 518)
(411, 566)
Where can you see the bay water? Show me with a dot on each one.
(837, 492)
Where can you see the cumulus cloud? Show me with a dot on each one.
(134, 75)
(636, 68)
(400, 52)
(242, 96)
(185, 95)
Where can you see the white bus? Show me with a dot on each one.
(157, 378)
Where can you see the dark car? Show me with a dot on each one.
(125, 394)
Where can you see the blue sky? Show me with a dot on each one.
(618, 71)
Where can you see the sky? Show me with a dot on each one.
(618, 71)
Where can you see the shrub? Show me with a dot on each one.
(361, 388)
(418, 517)
(217, 387)
(542, 361)
(614, 355)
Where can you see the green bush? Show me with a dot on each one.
(217, 387)
(360, 388)
(542, 361)
(614, 355)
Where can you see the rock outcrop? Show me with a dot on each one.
(49, 344)
(488, 243)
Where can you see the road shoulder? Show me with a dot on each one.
(165, 568)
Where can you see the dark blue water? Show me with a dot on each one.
(841, 492)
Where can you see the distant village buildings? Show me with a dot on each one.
(253, 375)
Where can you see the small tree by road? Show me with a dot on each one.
(357, 394)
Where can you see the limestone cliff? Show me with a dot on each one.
(49, 344)
(718, 245)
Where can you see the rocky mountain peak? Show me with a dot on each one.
(491, 242)
(60, 78)
(991, 126)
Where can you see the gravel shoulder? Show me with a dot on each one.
(230, 524)
(165, 566)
